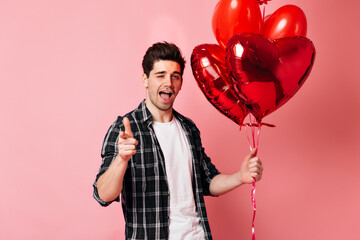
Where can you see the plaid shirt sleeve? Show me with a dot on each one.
(209, 172)
(109, 152)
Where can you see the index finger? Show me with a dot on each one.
(127, 126)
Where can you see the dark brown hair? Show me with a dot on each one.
(162, 51)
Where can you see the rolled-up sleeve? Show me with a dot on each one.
(109, 152)
(209, 172)
(207, 168)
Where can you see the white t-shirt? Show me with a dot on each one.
(184, 221)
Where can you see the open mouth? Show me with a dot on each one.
(165, 95)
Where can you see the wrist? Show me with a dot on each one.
(120, 162)
(239, 178)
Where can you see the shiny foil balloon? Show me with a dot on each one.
(287, 21)
(208, 66)
(267, 73)
(235, 16)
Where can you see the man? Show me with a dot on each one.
(154, 159)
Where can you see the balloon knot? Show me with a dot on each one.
(263, 1)
(257, 124)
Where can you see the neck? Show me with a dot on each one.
(158, 114)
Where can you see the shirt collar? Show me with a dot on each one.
(143, 114)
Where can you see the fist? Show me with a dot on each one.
(127, 143)
(251, 168)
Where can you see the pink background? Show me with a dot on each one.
(68, 68)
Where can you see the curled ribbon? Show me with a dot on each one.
(253, 143)
(254, 209)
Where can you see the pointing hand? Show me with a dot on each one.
(127, 142)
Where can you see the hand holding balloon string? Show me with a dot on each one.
(251, 168)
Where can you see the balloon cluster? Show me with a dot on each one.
(260, 62)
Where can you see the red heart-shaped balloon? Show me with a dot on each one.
(235, 16)
(267, 73)
(287, 21)
(208, 66)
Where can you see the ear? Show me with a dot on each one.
(145, 80)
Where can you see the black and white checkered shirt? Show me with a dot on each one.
(145, 194)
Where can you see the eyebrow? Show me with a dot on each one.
(163, 72)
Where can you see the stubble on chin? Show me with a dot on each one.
(163, 108)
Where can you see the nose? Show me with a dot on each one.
(168, 81)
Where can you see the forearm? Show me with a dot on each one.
(224, 183)
(109, 184)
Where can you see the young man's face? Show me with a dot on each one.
(163, 84)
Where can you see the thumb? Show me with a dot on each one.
(246, 161)
(127, 126)
(252, 154)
